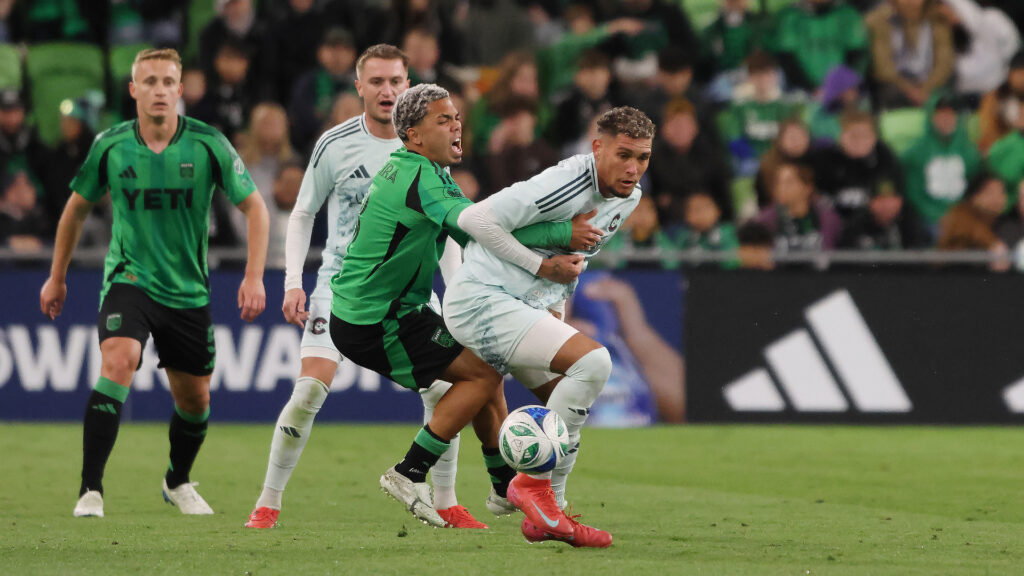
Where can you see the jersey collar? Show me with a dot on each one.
(177, 132)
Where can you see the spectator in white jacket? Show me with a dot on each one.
(985, 39)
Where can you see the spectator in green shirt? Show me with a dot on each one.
(812, 36)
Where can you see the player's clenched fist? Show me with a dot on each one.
(561, 268)
(51, 297)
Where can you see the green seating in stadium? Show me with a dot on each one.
(899, 128)
(57, 71)
(200, 12)
(10, 66)
(119, 62)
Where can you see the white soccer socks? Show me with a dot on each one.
(442, 474)
(571, 399)
(290, 435)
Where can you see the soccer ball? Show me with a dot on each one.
(533, 439)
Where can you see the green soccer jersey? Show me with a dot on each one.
(161, 206)
(390, 264)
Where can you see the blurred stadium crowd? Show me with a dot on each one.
(783, 125)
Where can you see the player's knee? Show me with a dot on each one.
(593, 368)
(119, 367)
(485, 375)
(309, 394)
(196, 403)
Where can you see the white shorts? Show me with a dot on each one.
(493, 323)
(316, 338)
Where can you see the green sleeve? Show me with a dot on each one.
(557, 63)
(440, 196)
(545, 235)
(451, 225)
(730, 243)
(234, 177)
(1005, 159)
(539, 235)
(89, 182)
(856, 32)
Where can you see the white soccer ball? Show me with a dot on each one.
(533, 439)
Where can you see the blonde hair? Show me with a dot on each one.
(169, 54)
(250, 149)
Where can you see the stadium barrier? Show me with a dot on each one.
(47, 369)
(831, 337)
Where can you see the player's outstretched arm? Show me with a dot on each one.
(478, 221)
(252, 297)
(69, 230)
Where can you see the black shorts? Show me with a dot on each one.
(413, 350)
(183, 336)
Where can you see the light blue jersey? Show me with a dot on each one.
(556, 194)
(344, 162)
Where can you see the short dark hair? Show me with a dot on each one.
(383, 52)
(680, 106)
(674, 59)
(803, 172)
(760, 61)
(515, 104)
(592, 58)
(856, 116)
(625, 120)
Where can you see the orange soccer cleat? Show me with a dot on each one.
(459, 517)
(583, 536)
(263, 517)
(536, 499)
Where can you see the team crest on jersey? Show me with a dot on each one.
(319, 326)
(453, 192)
(131, 277)
(615, 223)
(239, 166)
(187, 170)
(114, 322)
(443, 338)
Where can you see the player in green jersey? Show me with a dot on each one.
(161, 172)
(379, 316)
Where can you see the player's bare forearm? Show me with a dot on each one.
(252, 296)
(69, 230)
(257, 232)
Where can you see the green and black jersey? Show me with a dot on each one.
(390, 265)
(161, 206)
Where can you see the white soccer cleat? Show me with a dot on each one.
(90, 504)
(186, 499)
(415, 496)
(499, 506)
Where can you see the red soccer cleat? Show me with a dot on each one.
(263, 517)
(536, 499)
(459, 517)
(583, 536)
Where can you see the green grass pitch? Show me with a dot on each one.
(678, 500)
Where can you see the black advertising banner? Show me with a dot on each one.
(892, 347)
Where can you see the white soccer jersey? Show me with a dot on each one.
(556, 194)
(344, 162)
